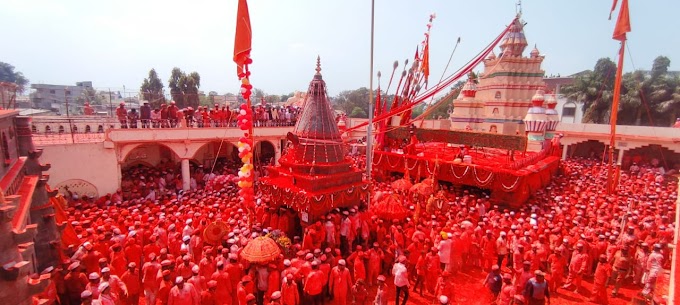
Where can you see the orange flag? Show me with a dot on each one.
(613, 9)
(425, 65)
(623, 23)
(244, 36)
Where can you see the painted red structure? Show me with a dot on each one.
(314, 175)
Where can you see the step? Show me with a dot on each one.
(25, 235)
(27, 250)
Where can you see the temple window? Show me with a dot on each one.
(498, 95)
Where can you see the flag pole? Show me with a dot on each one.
(613, 118)
(369, 138)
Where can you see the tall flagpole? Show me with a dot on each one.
(369, 138)
(612, 121)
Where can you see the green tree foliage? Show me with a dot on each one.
(594, 90)
(650, 98)
(184, 88)
(349, 100)
(358, 112)
(7, 74)
(152, 89)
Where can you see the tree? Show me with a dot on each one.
(175, 86)
(152, 89)
(7, 74)
(647, 97)
(272, 99)
(358, 112)
(184, 88)
(348, 100)
(594, 90)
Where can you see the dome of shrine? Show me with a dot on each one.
(514, 42)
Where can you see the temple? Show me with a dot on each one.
(314, 174)
(499, 99)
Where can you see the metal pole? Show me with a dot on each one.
(369, 138)
(66, 102)
(110, 103)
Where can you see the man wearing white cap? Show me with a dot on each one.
(93, 285)
(118, 288)
(381, 293)
(501, 248)
(340, 283)
(443, 300)
(105, 296)
(86, 298)
(183, 294)
(401, 279)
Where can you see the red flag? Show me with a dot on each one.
(378, 103)
(623, 23)
(613, 9)
(425, 65)
(244, 36)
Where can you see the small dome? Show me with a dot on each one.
(535, 53)
(491, 56)
(538, 98)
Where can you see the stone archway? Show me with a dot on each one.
(652, 154)
(153, 154)
(264, 153)
(220, 151)
(587, 149)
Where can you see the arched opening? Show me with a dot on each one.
(100, 129)
(143, 168)
(219, 156)
(74, 128)
(652, 155)
(88, 129)
(61, 129)
(493, 129)
(497, 95)
(48, 129)
(34, 129)
(264, 153)
(589, 149)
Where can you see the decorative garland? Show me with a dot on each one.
(484, 182)
(512, 187)
(245, 143)
(467, 168)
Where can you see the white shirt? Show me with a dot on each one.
(444, 251)
(400, 275)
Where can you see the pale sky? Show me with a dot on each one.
(115, 43)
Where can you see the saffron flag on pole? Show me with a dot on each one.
(613, 9)
(425, 64)
(243, 38)
(623, 22)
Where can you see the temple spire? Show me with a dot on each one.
(318, 65)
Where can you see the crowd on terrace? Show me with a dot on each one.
(171, 116)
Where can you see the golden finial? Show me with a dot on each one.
(318, 65)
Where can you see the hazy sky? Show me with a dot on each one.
(115, 43)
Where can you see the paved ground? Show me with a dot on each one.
(469, 291)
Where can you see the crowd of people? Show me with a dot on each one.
(135, 248)
(171, 116)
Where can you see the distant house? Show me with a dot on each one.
(569, 111)
(55, 97)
